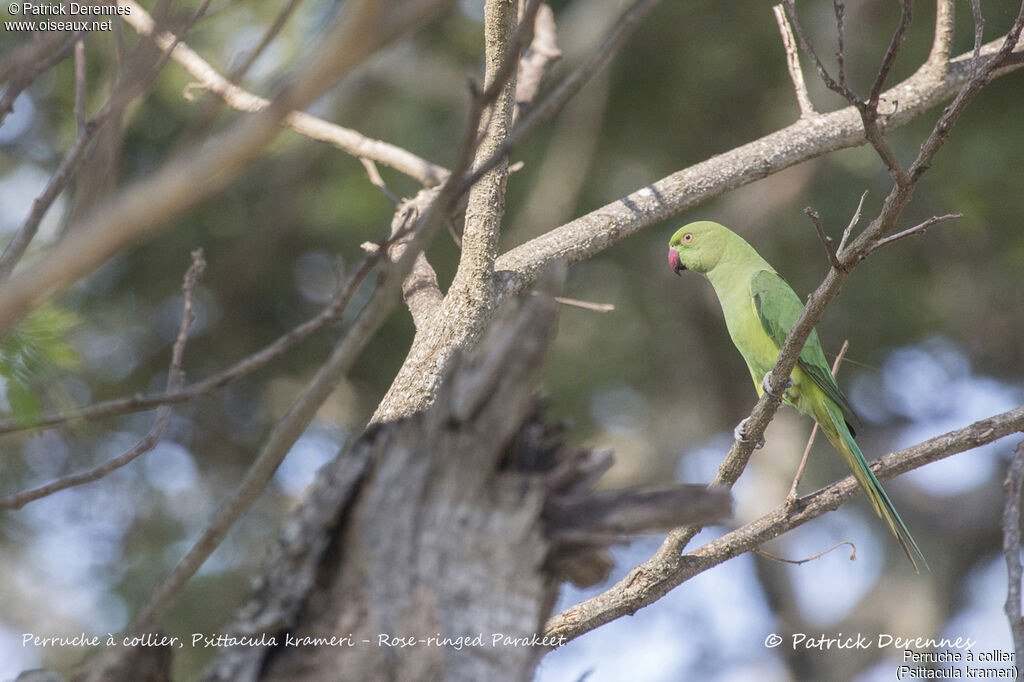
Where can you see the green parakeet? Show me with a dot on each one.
(760, 308)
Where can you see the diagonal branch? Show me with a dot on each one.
(345, 139)
(137, 403)
(141, 208)
(537, 62)
(594, 232)
(421, 290)
(668, 567)
(129, 85)
(826, 241)
(920, 228)
(648, 582)
(22, 67)
(906, 15)
(175, 380)
(796, 74)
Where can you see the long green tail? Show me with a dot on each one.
(842, 440)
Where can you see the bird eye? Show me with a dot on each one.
(688, 237)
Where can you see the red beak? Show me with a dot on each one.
(674, 262)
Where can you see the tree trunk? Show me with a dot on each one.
(419, 529)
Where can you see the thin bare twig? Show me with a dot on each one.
(921, 228)
(818, 555)
(80, 86)
(796, 74)
(127, 86)
(906, 16)
(979, 29)
(981, 76)
(868, 109)
(136, 403)
(852, 224)
(826, 241)
(205, 117)
(805, 44)
(175, 380)
(268, 37)
(791, 497)
(1012, 547)
(18, 244)
(377, 181)
(840, 11)
(583, 305)
(537, 62)
(22, 68)
(586, 305)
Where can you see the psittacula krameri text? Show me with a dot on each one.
(760, 308)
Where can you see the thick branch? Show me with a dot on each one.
(1012, 547)
(648, 582)
(473, 282)
(302, 411)
(938, 59)
(806, 139)
(460, 321)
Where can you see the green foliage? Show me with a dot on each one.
(32, 353)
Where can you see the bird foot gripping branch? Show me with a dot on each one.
(766, 385)
(739, 433)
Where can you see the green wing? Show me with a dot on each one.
(778, 308)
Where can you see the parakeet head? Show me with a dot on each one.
(699, 246)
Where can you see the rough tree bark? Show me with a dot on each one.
(433, 536)
(459, 521)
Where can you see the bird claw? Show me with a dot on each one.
(739, 431)
(766, 387)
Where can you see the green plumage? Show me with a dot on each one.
(760, 308)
